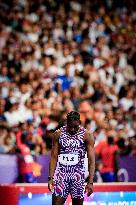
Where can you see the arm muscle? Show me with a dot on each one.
(54, 153)
(89, 139)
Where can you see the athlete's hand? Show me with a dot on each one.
(89, 189)
(51, 185)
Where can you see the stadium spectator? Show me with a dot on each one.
(108, 157)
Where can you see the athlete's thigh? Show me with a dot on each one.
(61, 185)
(57, 200)
(77, 201)
(77, 186)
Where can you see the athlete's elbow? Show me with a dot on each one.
(54, 157)
(91, 159)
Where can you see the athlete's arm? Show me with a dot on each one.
(54, 158)
(54, 153)
(89, 139)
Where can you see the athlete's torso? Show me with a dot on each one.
(72, 149)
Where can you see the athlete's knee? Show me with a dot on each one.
(77, 201)
(57, 200)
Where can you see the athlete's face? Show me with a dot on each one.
(73, 126)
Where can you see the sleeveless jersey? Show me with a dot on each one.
(72, 150)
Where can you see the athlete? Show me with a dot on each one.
(67, 169)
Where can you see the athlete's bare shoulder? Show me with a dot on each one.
(57, 134)
(88, 137)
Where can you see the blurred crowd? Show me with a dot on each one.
(58, 56)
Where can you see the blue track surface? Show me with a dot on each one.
(98, 198)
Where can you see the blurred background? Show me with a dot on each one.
(58, 56)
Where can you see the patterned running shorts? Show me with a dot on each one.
(69, 183)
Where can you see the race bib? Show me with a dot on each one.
(68, 159)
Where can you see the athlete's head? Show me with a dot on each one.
(73, 122)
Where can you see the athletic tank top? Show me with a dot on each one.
(72, 149)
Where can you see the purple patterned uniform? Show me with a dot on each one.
(70, 171)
